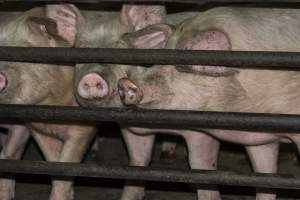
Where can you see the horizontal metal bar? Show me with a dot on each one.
(151, 174)
(216, 120)
(281, 60)
(199, 2)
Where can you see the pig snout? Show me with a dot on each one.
(93, 86)
(129, 93)
(3, 82)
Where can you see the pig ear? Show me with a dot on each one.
(151, 37)
(61, 21)
(136, 17)
(68, 19)
(206, 40)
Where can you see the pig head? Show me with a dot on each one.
(28, 83)
(95, 83)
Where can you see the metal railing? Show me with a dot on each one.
(152, 174)
(217, 120)
(214, 120)
(238, 59)
(199, 2)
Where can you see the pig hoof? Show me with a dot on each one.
(92, 86)
(3, 82)
(129, 93)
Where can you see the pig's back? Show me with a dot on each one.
(253, 29)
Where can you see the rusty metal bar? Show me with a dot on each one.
(145, 117)
(240, 59)
(152, 174)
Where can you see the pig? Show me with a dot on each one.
(106, 33)
(105, 29)
(14, 143)
(208, 88)
(224, 89)
(45, 84)
(88, 25)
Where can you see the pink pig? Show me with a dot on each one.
(208, 88)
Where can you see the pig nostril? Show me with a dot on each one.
(86, 86)
(131, 94)
(99, 86)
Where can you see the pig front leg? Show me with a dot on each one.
(73, 150)
(51, 148)
(13, 148)
(140, 151)
(203, 154)
(70, 149)
(264, 160)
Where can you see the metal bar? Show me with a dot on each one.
(276, 60)
(199, 2)
(143, 117)
(151, 174)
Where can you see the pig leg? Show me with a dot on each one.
(140, 151)
(264, 160)
(51, 148)
(73, 150)
(70, 150)
(203, 154)
(13, 148)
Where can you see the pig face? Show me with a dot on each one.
(167, 87)
(32, 83)
(97, 84)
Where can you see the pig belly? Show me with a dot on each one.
(238, 137)
(150, 131)
(247, 138)
(54, 130)
(232, 136)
